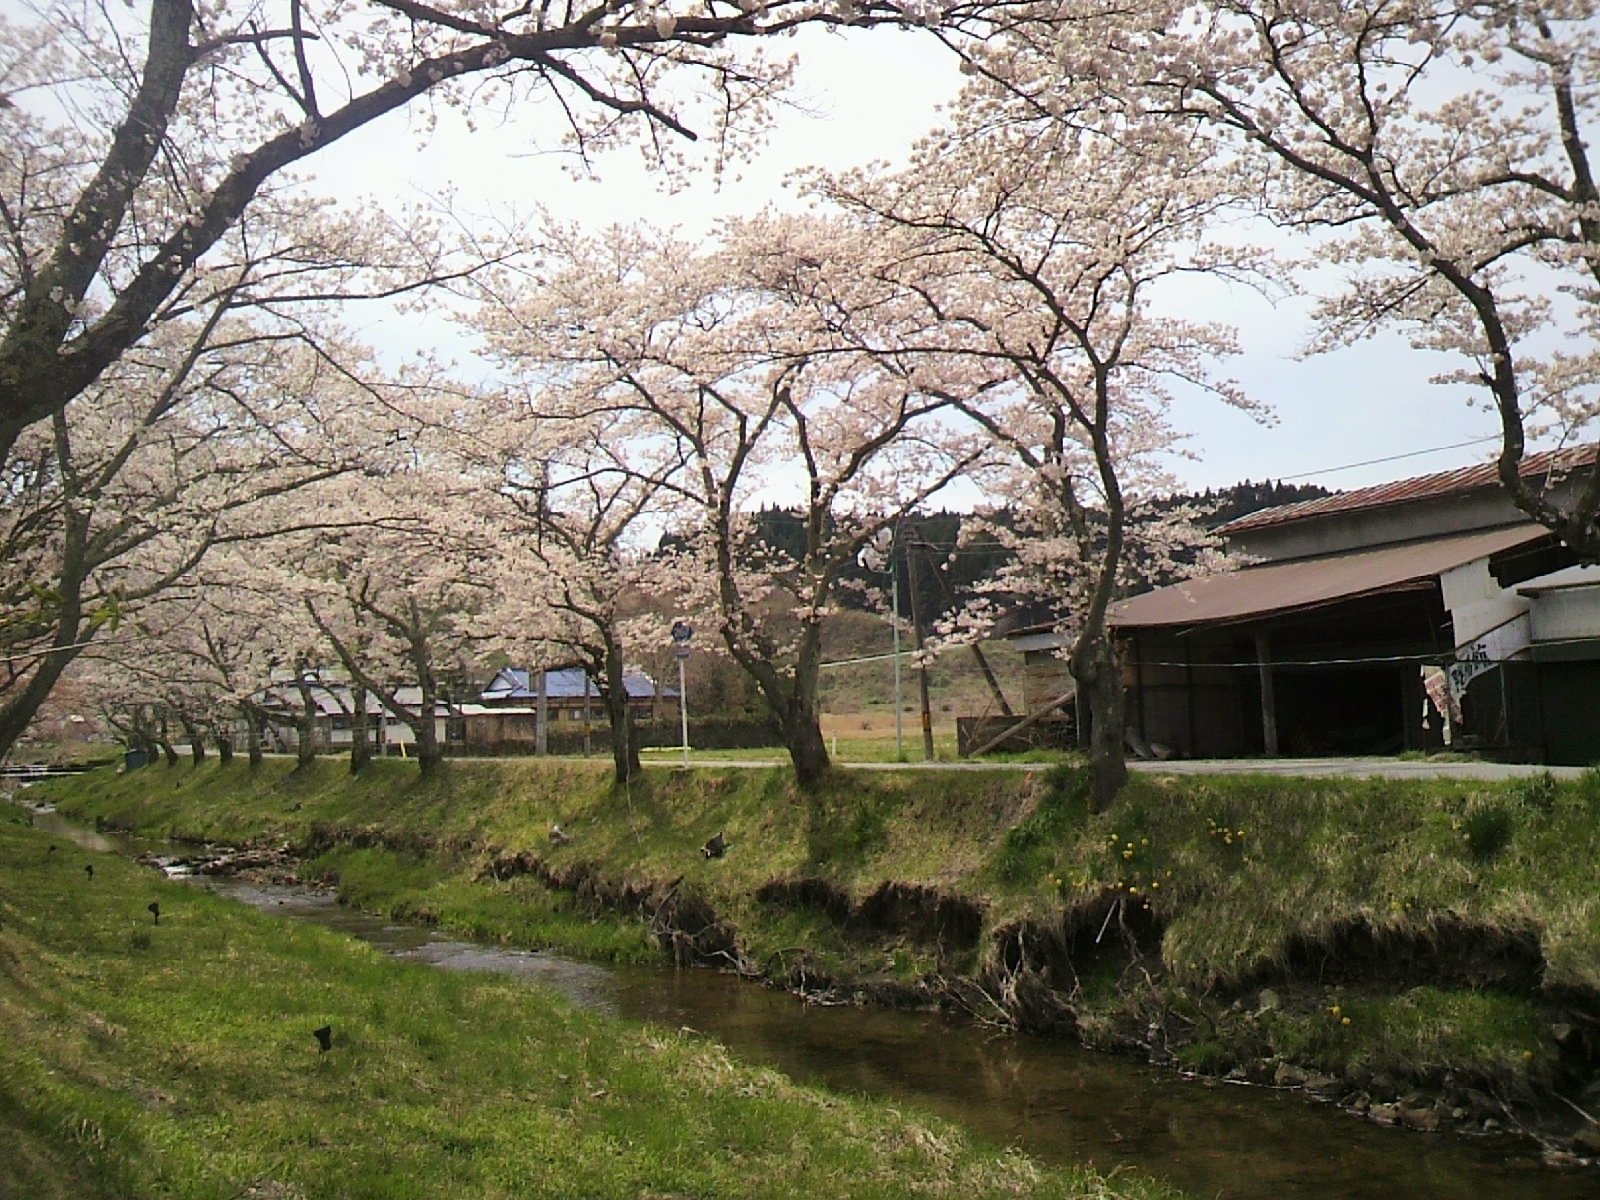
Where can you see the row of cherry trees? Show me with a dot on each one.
(926, 327)
(209, 484)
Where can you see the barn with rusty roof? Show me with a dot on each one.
(1390, 618)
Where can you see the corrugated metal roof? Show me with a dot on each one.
(1421, 487)
(1310, 583)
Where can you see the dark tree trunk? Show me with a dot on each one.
(429, 752)
(224, 749)
(18, 713)
(168, 751)
(305, 728)
(252, 736)
(197, 741)
(360, 730)
(147, 746)
(802, 729)
(1098, 672)
(624, 742)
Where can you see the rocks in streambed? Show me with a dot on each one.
(1288, 1075)
(254, 864)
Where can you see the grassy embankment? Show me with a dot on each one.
(177, 1059)
(1389, 934)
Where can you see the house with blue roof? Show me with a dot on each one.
(507, 711)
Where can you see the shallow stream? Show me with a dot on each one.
(1053, 1100)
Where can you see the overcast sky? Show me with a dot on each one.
(872, 93)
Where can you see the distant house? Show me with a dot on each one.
(333, 702)
(1366, 618)
(507, 711)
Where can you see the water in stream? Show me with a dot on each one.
(1055, 1101)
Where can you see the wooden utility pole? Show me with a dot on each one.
(977, 651)
(1269, 703)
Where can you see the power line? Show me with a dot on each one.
(1373, 462)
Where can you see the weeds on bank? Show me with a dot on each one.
(1484, 1037)
(1060, 810)
(181, 1064)
(1234, 872)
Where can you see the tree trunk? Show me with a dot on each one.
(360, 730)
(197, 740)
(18, 713)
(624, 742)
(168, 751)
(429, 752)
(1097, 670)
(808, 752)
(305, 728)
(252, 736)
(224, 749)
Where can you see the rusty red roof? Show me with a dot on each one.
(1310, 583)
(1421, 487)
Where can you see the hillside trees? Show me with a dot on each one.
(1438, 153)
(747, 364)
(1035, 250)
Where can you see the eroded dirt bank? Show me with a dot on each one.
(1420, 954)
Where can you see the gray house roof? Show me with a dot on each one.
(332, 699)
(564, 683)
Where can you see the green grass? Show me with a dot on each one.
(1238, 868)
(1235, 868)
(1483, 1036)
(845, 750)
(1233, 873)
(176, 1060)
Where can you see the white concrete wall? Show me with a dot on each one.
(1567, 614)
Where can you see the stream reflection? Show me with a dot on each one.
(1053, 1100)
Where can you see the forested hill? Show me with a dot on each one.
(1242, 499)
(945, 575)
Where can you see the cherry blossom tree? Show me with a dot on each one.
(135, 141)
(1438, 152)
(580, 500)
(745, 363)
(185, 446)
(1037, 249)
(392, 580)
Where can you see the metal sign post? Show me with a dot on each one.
(682, 633)
(879, 555)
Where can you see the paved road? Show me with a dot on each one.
(1355, 768)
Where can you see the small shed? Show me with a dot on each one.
(1379, 620)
